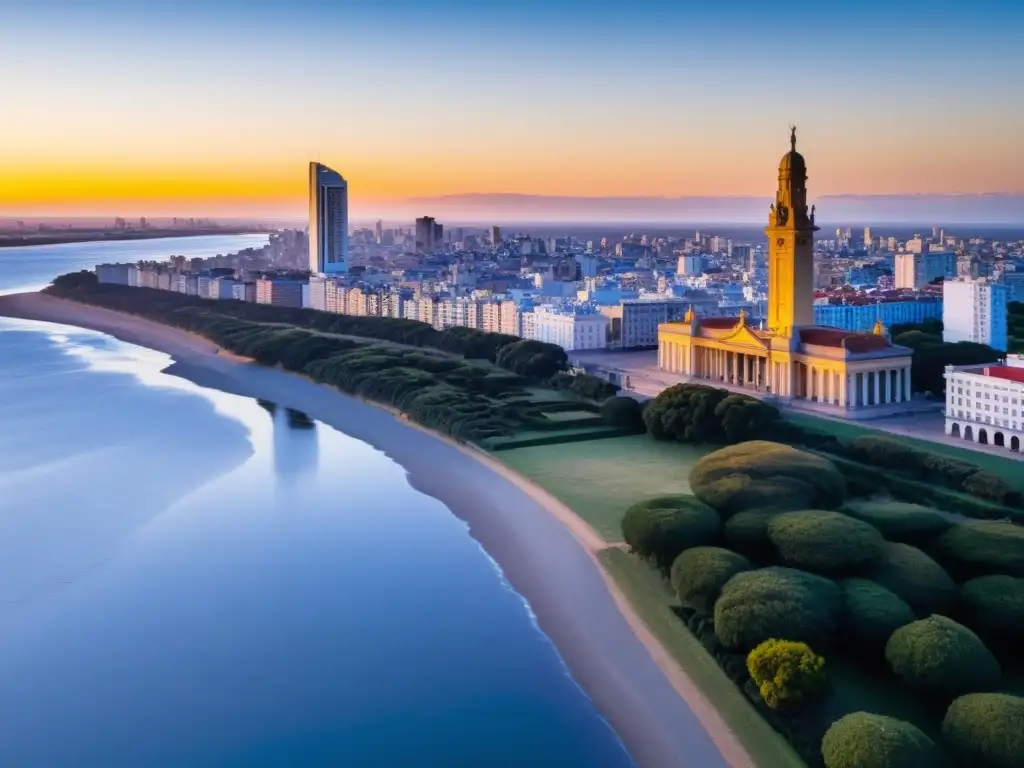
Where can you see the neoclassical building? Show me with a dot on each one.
(791, 358)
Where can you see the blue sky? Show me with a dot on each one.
(445, 97)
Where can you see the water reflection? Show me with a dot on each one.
(231, 615)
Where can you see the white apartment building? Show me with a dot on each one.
(118, 274)
(916, 270)
(974, 309)
(985, 403)
(571, 328)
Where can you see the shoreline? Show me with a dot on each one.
(34, 242)
(546, 551)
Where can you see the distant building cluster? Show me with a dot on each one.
(596, 291)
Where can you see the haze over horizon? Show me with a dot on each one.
(581, 110)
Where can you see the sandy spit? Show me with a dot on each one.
(545, 550)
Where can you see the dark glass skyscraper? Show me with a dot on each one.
(328, 221)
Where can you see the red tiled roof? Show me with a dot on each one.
(857, 343)
(1005, 372)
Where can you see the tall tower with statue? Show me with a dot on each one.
(793, 361)
(790, 234)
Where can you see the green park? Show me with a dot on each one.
(843, 597)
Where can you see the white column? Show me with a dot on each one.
(906, 384)
(842, 390)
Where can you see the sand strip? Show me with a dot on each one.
(544, 549)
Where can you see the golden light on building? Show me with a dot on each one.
(792, 358)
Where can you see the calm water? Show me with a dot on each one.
(190, 578)
(33, 267)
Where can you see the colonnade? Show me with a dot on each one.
(833, 384)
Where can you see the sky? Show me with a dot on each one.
(215, 108)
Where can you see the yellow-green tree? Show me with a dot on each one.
(788, 674)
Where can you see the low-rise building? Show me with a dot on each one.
(985, 403)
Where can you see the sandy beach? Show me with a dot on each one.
(546, 552)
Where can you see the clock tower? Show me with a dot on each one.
(790, 234)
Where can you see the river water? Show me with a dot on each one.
(192, 578)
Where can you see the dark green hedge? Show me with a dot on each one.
(981, 549)
(747, 533)
(957, 475)
(993, 606)
(756, 473)
(777, 603)
(824, 542)
(697, 413)
(536, 360)
(699, 574)
(864, 480)
(900, 521)
(624, 412)
(871, 613)
(939, 657)
(986, 730)
(865, 740)
(659, 529)
(915, 578)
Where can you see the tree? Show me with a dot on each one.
(699, 574)
(659, 529)
(788, 674)
(986, 730)
(940, 657)
(867, 740)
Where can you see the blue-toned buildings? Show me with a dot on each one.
(862, 317)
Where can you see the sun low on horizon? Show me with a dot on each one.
(120, 109)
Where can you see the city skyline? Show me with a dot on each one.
(212, 112)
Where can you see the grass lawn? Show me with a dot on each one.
(653, 601)
(1011, 470)
(599, 479)
(549, 437)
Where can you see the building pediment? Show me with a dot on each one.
(743, 335)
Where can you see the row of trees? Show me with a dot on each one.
(774, 564)
(932, 354)
(698, 413)
(536, 360)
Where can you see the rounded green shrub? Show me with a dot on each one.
(824, 542)
(749, 475)
(915, 578)
(777, 602)
(865, 740)
(788, 674)
(979, 549)
(623, 412)
(699, 574)
(993, 606)
(986, 730)
(942, 658)
(747, 533)
(900, 521)
(659, 529)
(871, 613)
